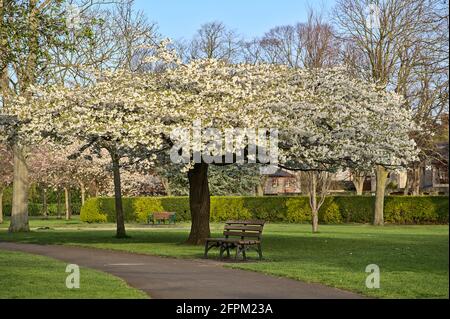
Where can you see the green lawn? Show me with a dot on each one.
(413, 259)
(30, 276)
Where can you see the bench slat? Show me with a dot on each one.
(162, 214)
(234, 240)
(250, 228)
(246, 222)
(241, 234)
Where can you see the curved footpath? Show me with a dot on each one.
(172, 278)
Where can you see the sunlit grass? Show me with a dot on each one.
(413, 259)
(25, 275)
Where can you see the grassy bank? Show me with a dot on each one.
(413, 259)
(25, 275)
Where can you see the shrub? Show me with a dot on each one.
(330, 213)
(224, 207)
(419, 209)
(179, 205)
(270, 208)
(298, 210)
(91, 211)
(144, 206)
(292, 209)
(356, 209)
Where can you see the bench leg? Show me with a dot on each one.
(240, 249)
(237, 252)
(208, 247)
(222, 249)
(206, 250)
(259, 251)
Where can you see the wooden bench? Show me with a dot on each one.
(240, 234)
(159, 217)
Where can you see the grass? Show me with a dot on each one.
(413, 259)
(25, 275)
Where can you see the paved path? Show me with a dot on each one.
(181, 278)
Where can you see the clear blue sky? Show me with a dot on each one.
(250, 18)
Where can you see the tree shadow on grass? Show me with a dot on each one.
(396, 251)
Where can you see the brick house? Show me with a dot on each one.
(282, 183)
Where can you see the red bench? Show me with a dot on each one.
(159, 217)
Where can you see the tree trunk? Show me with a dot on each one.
(261, 185)
(19, 212)
(166, 185)
(58, 199)
(199, 202)
(67, 201)
(83, 193)
(358, 181)
(1, 205)
(315, 221)
(44, 202)
(298, 181)
(416, 180)
(381, 178)
(313, 203)
(96, 192)
(120, 220)
(407, 185)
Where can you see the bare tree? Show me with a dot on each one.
(317, 184)
(283, 45)
(117, 37)
(214, 41)
(388, 39)
(319, 42)
(252, 51)
(310, 45)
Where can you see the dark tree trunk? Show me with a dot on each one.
(199, 203)
(120, 221)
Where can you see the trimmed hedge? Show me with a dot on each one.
(35, 209)
(291, 209)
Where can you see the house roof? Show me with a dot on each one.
(443, 150)
(281, 173)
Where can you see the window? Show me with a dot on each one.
(274, 182)
(442, 176)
